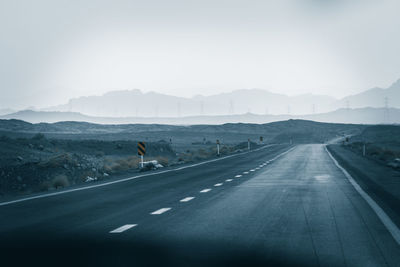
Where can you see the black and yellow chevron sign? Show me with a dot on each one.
(141, 148)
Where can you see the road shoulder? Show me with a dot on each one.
(381, 183)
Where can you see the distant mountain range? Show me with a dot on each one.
(134, 103)
(357, 116)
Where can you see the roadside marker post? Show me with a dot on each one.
(141, 151)
(248, 144)
(261, 139)
(217, 147)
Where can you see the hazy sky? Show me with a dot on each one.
(51, 50)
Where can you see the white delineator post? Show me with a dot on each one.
(218, 149)
(248, 144)
(364, 149)
(141, 161)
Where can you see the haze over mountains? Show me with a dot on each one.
(373, 106)
(134, 103)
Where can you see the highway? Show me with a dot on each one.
(277, 206)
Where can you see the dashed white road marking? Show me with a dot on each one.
(228, 180)
(186, 199)
(219, 184)
(129, 178)
(245, 172)
(257, 168)
(122, 228)
(205, 190)
(160, 211)
(237, 176)
(252, 170)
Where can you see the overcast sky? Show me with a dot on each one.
(52, 50)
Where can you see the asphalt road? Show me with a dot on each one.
(276, 206)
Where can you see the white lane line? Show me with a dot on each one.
(237, 176)
(257, 168)
(186, 199)
(122, 228)
(130, 178)
(228, 180)
(252, 170)
(205, 190)
(219, 184)
(385, 219)
(160, 211)
(245, 172)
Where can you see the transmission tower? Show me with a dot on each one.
(202, 108)
(179, 109)
(231, 108)
(386, 111)
(156, 111)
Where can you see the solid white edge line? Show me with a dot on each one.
(122, 228)
(129, 178)
(385, 219)
(160, 211)
(186, 199)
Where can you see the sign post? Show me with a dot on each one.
(141, 151)
(217, 147)
(364, 149)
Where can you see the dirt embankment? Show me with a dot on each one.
(37, 164)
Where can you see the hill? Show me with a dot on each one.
(357, 116)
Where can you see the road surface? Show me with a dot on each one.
(276, 206)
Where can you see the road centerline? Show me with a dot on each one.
(122, 228)
(186, 199)
(205, 190)
(160, 211)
